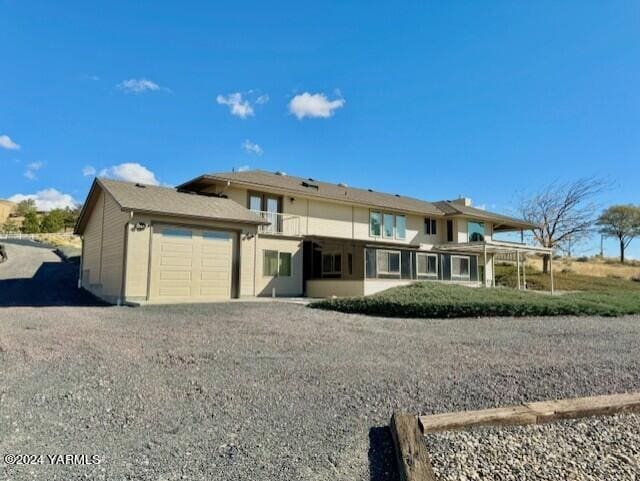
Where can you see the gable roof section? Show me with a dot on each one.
(150, 199)
(501, 222)
(314, 188)
(259, 179)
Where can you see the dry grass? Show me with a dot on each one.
(59, 240)
(594, 266)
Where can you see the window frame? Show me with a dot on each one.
(427, 274)
(484, 230)
(387, 272)
(333, 272)
(371, 214)
(278, 256)
(395, 222)
(176, 233)
(450, 230)
(393, 227)
(458, 277)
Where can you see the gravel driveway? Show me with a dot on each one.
(272, 391)
(35, 276)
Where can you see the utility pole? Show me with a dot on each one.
(601, 246)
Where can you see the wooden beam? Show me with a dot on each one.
(551, 271)
(466, 419)
(411, 453)
(534, 413)
(518, 263)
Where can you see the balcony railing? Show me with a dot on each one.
(279, 224)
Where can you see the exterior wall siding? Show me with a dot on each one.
(103, 249)
(284, 286)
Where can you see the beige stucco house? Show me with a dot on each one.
(255, 233)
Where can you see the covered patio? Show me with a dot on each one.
(491, 251)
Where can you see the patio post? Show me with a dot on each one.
(518, 264)
(524, 272)
(551, 271)
(484, 251)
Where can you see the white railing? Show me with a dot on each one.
(279, 224)
(33, 237)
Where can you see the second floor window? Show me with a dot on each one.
(476, 231)
(387, 225)
(430, 226)
(449, 231)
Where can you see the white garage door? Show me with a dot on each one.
(191, 264)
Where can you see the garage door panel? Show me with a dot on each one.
(191, 264)
(166, 275)
(175, 291)
(181, 261)
(180, 248)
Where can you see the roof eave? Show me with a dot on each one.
(257, 221)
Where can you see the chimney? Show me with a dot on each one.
(465, 201)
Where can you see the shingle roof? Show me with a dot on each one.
(260, 179)
(315, 188)
(451, 208)
(168, 201)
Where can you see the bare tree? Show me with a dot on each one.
(621, 222)
(563, 213)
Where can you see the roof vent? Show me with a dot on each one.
(142, 186)
(370, 190)
(283, 174)
(397, 195)
(341, 184)
(308, 185)
(311, 179)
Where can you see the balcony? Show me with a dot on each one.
(279, 224)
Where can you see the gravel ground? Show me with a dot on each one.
(269, 391)
(589, 449)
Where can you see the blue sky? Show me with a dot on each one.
(429, 99)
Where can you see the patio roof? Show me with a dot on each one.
(492, 247)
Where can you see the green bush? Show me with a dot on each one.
(434, 300)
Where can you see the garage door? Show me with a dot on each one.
(191, 264)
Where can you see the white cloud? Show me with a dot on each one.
(263, 99)
(314, 105)
(137, 86)
(88, 171)
(47, 199)
(7, 143)
(242, 168)
(130, 172)
(252, 148)
(237, 105)
(481, 206)
(32, 168)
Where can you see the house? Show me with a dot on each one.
(256, 233)
(7, 209)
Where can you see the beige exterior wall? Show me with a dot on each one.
(103, 249)
(334, 287)
(373, 286)
(284, 286)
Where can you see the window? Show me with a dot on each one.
(284, 267)
(401, 227)
(430, 226)
(475, 231)
(460, 267)
(449, 231)
(388, 225)
(255, 202)
(216, 235)
(375, 223)
(276, 264)
(388, 262)
(427, 264)
(270, 265)
(176, 233)
(350, 263)
(331, 264)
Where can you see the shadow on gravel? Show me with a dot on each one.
(382, 460)
(54, 284)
